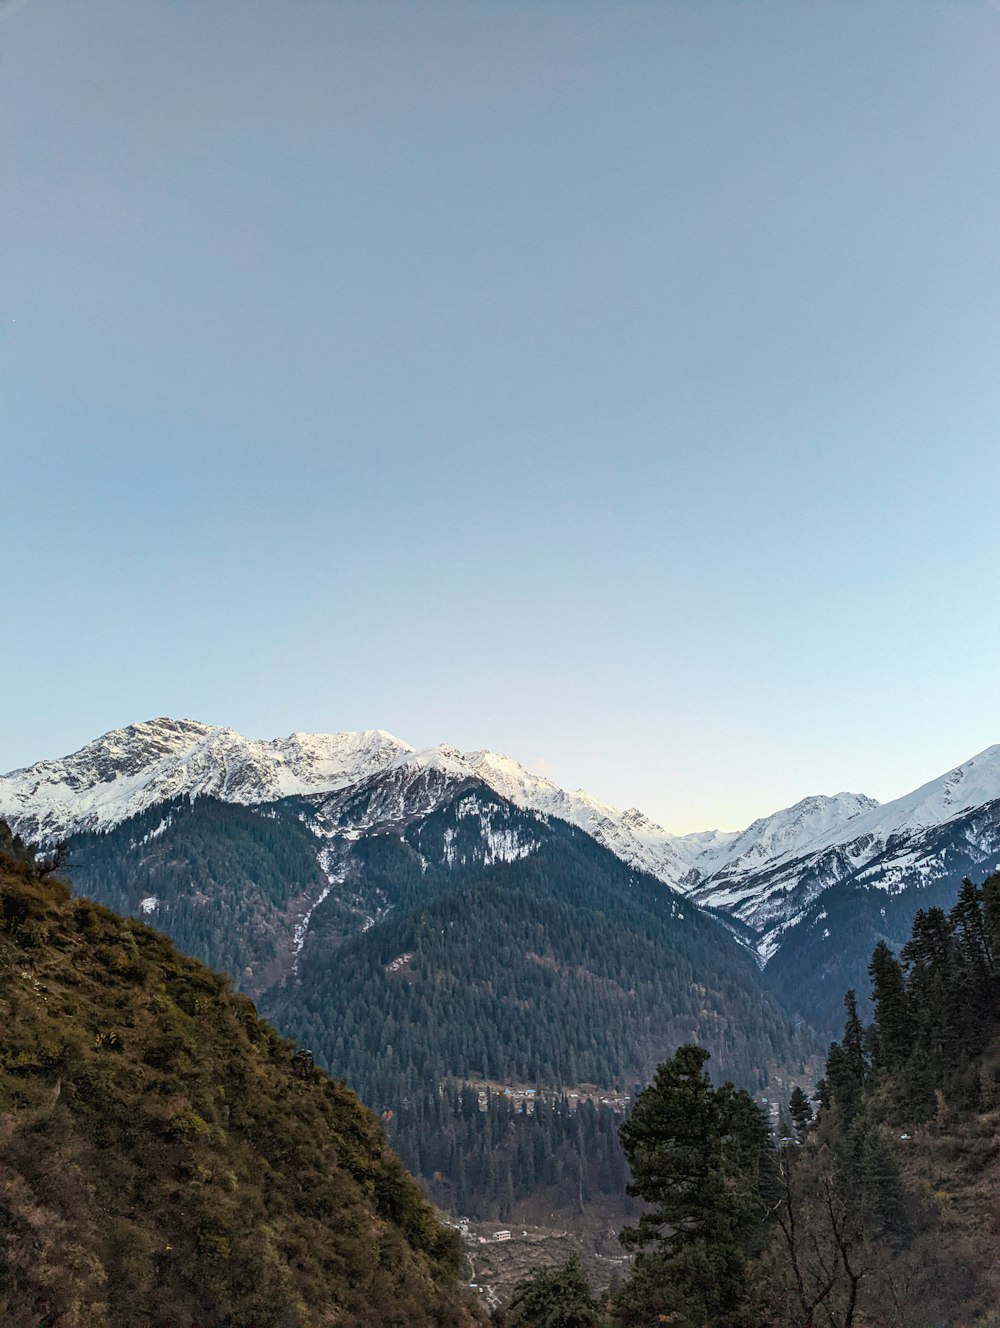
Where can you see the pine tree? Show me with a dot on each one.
(935, 996)
(930, 947)
(893, 1018)
(853, 1043)
(696, 1156)
(554, 1298)
(801, 1111)
(846, 1064)
(974, 942)
(991, 914)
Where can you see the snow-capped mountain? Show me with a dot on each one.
(130, 769)
(783, 835)
(889, 846)
(765, 875)
(972, 784)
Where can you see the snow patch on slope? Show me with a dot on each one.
(501, 843)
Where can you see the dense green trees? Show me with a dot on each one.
(561, 968)
(865, 1228)
(225, 880)
(860, 1217)
(554, 1298)
(801, 1111)
(564, 968)
(893, 1027)
(698, 1156)
(502, 1161)
(933, 1013)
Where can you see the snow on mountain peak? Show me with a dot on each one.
(129, 769)
(968, 785)
(788, 832)
(638, 841)
(771, 872)
(972, 784)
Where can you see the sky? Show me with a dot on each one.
(614, 385)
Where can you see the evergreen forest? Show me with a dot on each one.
(164, 1147)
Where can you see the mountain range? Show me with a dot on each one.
(765, 877)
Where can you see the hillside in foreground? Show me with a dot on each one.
(167, 1163)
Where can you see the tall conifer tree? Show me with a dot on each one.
(696, 1154)
(893, 1017)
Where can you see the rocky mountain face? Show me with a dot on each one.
(127, 770)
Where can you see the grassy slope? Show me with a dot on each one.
(954, 1166)
(161, 1162)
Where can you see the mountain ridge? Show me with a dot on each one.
(128, 769)
(764, 876)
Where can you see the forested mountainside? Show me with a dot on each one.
(478, 944)
(560, 969)
(428, 934)
(167, 1161)
(229, 883)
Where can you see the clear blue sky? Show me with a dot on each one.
(616, 385)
